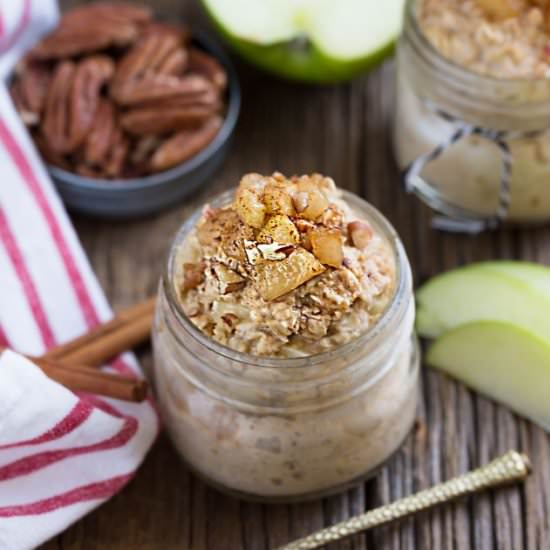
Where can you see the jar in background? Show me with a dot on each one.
(441, 102)
(286, 429)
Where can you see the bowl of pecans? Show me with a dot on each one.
(130, 114)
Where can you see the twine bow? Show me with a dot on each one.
(454, 218)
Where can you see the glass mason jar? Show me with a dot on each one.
(287, 428)
(482, 141)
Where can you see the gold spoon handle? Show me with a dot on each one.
(510, 467)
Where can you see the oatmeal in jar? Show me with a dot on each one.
(499, 38)
(285, 361)
(473, 84)
(288, 269)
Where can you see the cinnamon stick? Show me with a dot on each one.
(126, 330)
(90, 380)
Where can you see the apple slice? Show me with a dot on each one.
(476, 293)
(316, 41)
(502, 360)
(537, 276)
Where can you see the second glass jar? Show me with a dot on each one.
(468, 174)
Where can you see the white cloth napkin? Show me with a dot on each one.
(61, 455)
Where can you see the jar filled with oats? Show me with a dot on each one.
(285, 361)
(473, 110)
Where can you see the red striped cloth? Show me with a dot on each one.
(61, 455)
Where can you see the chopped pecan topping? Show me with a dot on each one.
(360, 234)
(327, 246)
(193, 275)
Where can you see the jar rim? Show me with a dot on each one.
(393, 312)
(454, 69)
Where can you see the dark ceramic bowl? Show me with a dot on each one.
(127, 198)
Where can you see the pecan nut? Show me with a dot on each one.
(56, 112)
(33, 80)
(91, 28)
(28, 116)
(209, 98)
(205, 65)
(151, 121)
(90, 76)
(185, 144)
(150, 71)
(96, 147)
(49, 155)
(118, 152)
(72, 101)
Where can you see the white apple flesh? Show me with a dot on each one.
(310, 40)
(477, 293)
(537, 276)
(500, 360)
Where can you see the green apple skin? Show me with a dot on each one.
(301, 62)
(535, 275)
(501, 360)
(476, 293)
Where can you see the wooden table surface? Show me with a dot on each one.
(342, 131)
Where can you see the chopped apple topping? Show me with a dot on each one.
(277, 199)
(248, 201)
(310, 202)
(327, 246)
(360, 234)
(279, 228)
(274, 279)
(281, 268)
(249, 207)
(228, 280)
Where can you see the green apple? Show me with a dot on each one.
(535, 275)
(477, 293)
(310, 40)
(501, 360)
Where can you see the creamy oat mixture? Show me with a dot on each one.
(500, 38)
(286, 270)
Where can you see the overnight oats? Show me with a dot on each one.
(473, 93)
(285, 361)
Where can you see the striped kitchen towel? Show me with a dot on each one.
(61, 454)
